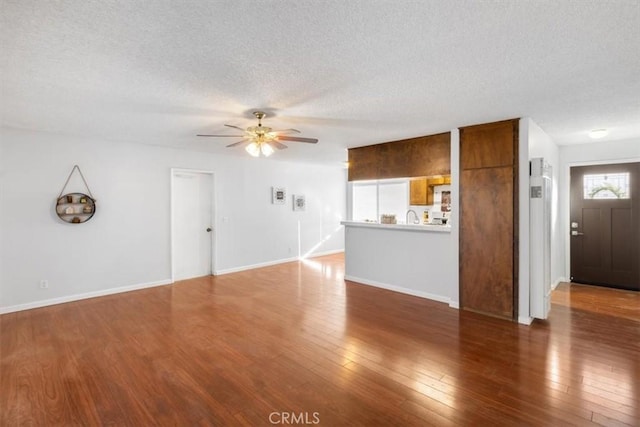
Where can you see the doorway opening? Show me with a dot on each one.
(192, 219)
(605, 225)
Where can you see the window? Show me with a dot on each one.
(393, 199)
(371, 199)
(606, 186)
(365, 201)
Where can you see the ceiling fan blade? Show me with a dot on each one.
(242, 141)
(278, 145)
(235, 127)
(286, 131)
(224, 136)
(297, 139)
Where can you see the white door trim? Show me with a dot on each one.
(213, 217)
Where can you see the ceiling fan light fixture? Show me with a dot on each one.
(266, 149)
(263, 140)
(253, 149)
(259, 147)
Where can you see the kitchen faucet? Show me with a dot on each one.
(416, 221)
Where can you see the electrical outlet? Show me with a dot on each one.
(44, 284)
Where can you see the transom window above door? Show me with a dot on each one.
(606, 186)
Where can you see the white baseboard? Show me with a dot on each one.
(525, 320)
(400, 289)
(557, 282)
(274, 262)
(317, 254)
(78, 297)
(454, 304)
(252, 266)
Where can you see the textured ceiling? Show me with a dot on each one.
(350, 73)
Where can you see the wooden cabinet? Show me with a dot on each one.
(487, 244)
(488, 145)
(488, 219)
(422, 156)
(430, 155)
(421, 190)
(393, 160)
(363, 163)
(418, 192)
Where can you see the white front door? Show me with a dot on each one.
(192, 195)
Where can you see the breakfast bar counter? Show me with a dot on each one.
(420, 260)
(406, 227)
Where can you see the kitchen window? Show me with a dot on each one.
(371, 199)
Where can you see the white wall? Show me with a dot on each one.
(454, 220)
(600, 152)
(1, 198)
(588, 154)
(534, 142)
(413, 262)
(127, 243)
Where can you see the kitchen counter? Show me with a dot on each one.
(420, 260)
(405, 227)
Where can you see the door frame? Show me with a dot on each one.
(566, 204)
(214, 238)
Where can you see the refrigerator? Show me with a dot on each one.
(540, 185)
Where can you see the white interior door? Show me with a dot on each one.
(192, 223)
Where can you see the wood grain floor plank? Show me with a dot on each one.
(297, 340)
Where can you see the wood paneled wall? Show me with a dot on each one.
(422, 156)
(489, 218)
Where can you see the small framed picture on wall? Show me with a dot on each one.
(445, 204)
(278, 195)
(299, 203)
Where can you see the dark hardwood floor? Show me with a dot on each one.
(295, 344)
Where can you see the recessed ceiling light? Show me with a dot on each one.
(598, 133)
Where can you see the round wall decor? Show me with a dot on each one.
(75, 208)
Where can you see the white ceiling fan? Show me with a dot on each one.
(262, 139)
